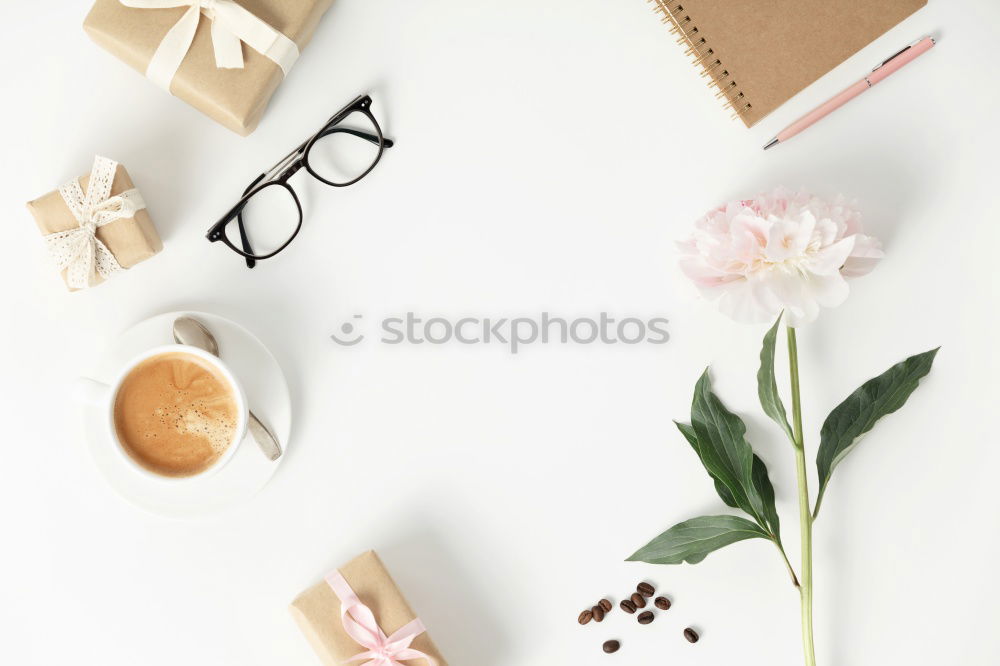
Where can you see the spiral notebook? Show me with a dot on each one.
(759, 53)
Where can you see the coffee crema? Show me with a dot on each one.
(175, 414)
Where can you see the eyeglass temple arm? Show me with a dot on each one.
(283, 163)
(370, 138)
(244, 239)
(299, 149)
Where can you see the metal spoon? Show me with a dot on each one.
(190, 331)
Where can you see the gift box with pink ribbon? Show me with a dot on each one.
(357, 614)
(223, 57)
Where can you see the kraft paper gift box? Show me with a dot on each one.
(115, 233)
(224, 58)
(318, 614)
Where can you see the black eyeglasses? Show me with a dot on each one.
(269, 215)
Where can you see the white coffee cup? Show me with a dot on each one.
(104, 395)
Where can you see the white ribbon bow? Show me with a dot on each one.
(79, 250)
(231, 24)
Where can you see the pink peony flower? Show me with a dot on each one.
(779, 251)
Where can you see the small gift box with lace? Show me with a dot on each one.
(96, 226)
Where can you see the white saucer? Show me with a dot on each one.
(248, 470)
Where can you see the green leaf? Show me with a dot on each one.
(767, 386)
(719, 439)
(693, 539)
(763, 485)
(858, 413)
(760, 481)
(720, 487)
(689, 435)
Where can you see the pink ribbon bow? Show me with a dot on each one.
(359, 623)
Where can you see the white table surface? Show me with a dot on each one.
(548, 156)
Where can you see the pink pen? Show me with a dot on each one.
(887, 67)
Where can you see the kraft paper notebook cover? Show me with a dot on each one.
(759, 53)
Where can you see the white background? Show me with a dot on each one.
(549, 155)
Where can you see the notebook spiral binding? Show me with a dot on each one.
(673, 12)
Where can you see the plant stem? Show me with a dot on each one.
(791, 571)
(805, 511)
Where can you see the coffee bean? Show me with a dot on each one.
(627, 605)
(611, 646)
(645, 617)
(645, 589)
(605, 604)
(691, 635)
(585, 617)
(662, 603)
(638, 600)
(598, 613)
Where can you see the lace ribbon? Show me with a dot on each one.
(79, 250)
(231, 24)
(359, 623)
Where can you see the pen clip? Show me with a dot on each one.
(897, 54)
(894, 55)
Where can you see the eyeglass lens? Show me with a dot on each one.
(343, 153)
(270, 219)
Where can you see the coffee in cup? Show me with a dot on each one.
(176, 414)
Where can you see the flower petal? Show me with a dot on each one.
(830, 259)
(704, 275)
(739, 302)
(866, 254)
(827, 290)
